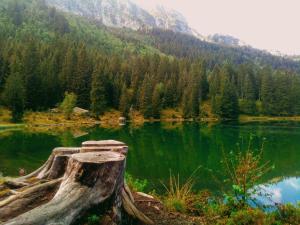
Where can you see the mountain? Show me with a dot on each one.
(124, 14)
(226, 40)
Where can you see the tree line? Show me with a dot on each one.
(41, 59)
(35, 76)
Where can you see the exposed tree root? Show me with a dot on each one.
(72, 181)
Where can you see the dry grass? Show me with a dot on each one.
(110, 119)
(206, 112)
(5, 116)
(179, 196)
(171, 115)
(246, 118)
(48, 118)
(137, 118)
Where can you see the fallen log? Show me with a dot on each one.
(72, 181)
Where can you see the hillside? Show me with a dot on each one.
(168, 31)
(47, 54)
(32, 19)
(187, 46)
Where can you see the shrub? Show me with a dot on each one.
(136, 184)
(244, 170)
(288, 214)
(93, 220)
(68, 104)
(247, 217)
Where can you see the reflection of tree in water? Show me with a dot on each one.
(156, 148)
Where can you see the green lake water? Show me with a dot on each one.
(155, 149)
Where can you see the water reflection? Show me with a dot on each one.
(155, 149)
(284, 191)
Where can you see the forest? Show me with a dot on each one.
(45, 54)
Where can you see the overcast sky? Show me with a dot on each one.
(265, 24)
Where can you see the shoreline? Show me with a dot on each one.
(45, 119)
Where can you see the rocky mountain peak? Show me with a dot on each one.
(124, 13)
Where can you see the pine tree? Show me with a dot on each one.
(82, 78)
(68, 71)
(228, 101)
(196, 91)
(214, 89)
(169, 94)
(282, 94)
(267, 92)
(157, 100)
(204, 86)
(187, 103)
(33, 83)
(14, 96)
(295, 95)
(98, 95)
(4, 71)
(125, 101)
(145, 101)
(248, 105)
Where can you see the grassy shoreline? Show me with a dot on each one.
(246, 118)
(111, 119)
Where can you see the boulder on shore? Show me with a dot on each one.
(80, 111)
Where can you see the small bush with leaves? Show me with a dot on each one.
(247, 216)
(68, 104)
(93, 220)
(136, 184)
(244, 170)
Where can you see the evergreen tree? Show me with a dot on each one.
(98, 95)
(228, 101)
(204, 85)
(295, 95)
(125, 101)
(267, 92)
(145, 101)
(248, 100)
(187, 103)
(82, 78)
(14, 96)
(157, 100)
(68, 104)
(67, 73)
(33, 83)
(169, 94)
(214, 89)
(282, 94)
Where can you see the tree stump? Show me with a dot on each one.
(72, 181)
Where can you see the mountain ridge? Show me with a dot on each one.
(124, 13)
(129, 14)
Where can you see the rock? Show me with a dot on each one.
(80, 111)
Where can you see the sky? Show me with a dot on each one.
(265, 24)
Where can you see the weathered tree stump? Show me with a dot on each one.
(72, 181)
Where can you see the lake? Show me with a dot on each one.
(155, 149)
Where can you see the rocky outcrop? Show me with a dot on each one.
(124, 13)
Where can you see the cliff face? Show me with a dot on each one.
(124, 13)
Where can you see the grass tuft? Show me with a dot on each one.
(179, 196)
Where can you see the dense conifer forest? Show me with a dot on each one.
(45, 53)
